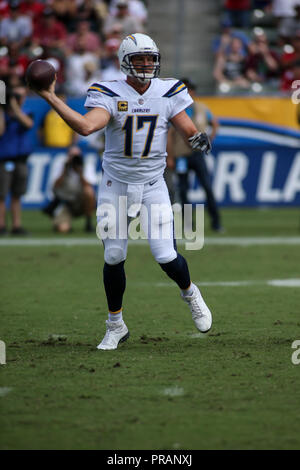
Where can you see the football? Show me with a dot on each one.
(40, 74)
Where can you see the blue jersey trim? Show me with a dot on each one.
(177, 88)
(102, 89)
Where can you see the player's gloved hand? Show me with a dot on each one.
(200, 141)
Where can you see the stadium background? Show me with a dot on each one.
(255, 159)
(168, 387)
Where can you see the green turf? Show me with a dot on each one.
(237, 222)
(237, 387)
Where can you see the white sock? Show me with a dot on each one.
(189, 291)
(115, 316)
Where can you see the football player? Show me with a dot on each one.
(136, 113)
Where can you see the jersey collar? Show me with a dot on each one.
(133, 90)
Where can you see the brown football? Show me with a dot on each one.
(40, 74)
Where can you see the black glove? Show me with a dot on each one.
(200, 141)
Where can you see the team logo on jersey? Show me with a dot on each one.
(122, 105)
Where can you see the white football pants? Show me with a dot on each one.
(116, 200)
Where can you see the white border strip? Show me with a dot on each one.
(259, 134)
(230, 241)
(270, 282)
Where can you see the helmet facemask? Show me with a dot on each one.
(144, 73)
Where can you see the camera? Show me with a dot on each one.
(77, 161)
(10, 93)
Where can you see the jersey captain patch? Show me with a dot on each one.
(177, 88)
(122, 105)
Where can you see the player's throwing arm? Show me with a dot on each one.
(85, 125)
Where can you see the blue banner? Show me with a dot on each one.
(240, 176)
(252, 176)
(251, 164)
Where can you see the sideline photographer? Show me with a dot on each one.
(184, 159)
(74, 196)
(15, 147)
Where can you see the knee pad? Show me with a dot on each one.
(114, 255)
(164, 258)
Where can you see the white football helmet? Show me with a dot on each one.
(139, 44)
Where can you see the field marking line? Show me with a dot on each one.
(173, 391)
(270, 282)
(4, 391)
(221, 241)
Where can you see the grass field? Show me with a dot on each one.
(167, 387)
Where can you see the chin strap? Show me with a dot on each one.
(200, 141)
(143, 80)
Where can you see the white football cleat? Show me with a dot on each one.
(116, 332)
(200, 311)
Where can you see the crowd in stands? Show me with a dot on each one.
(79, 37)
(258, 49)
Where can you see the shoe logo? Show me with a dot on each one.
(152, 183)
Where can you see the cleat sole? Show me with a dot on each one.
(124, 338)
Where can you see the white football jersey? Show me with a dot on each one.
(136, 135)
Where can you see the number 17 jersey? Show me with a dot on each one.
(136, 135)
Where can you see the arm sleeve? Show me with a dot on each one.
(96, 99)
(179, 102)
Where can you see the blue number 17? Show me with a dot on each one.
(128, 129)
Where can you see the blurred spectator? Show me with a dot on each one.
(92, 40)
(15, 147)
(73, 195)
(237, 12)
(86, 10)
(110, 62)
(14, 81)
(101, 12)
(136, 8)
(115, 33)
(16, 28)
(265, 5)
(13, 62)
(82, 69)
(32, 9)
(262, 63)
(66, 11)
(222, 43)
(4, 9)
(54, 131)
(290, 62)
(230, 65)
(283, 8)
(288, 26)
(18, 61)
(186, 159)
(50, 33)
(123, 18)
